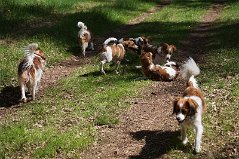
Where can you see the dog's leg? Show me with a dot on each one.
(199, 131)
(92, 46)
(34, 88)
(23, 98)
(101, 66)
(84, 46)
(184, 135)
(117, 67)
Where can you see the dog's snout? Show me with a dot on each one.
(178, 118)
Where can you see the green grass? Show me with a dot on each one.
(221, 84)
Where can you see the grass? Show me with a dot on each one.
(221, 84)
(63, 122)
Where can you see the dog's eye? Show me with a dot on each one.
(184, 111)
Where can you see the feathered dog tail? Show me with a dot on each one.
(29, 55)
(82, 25)
(189, 70)
(110, 41)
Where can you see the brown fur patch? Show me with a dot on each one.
(186, 106)
(118, 52)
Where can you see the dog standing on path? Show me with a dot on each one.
(84, 38)
(190, 107)
(30, 70)
(113, 50)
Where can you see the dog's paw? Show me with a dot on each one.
(24, 100)
(185, 141)
(197, 150)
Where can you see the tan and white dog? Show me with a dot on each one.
(190, 107)
(162, 53)
(114, 51)
(84, 38)
(30, 70)
(157, 72)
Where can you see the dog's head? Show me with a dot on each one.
(39, 53)
(146, 58)
(168, 50)
(129, 43)
(184, 107)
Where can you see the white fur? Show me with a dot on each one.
(170, 64)
(172, 73)
(189, 68)
(83, 29)
(107, 56)
(106, 42)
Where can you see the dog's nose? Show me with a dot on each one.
(178, 118)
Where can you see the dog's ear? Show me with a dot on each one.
(164, 46)
(175, 102)
(192, 107)
(174, 48)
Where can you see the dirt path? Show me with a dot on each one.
(9, 96)
(148, 130)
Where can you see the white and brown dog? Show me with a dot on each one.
(190, 107)
(30, 70)
(162, 53)
(114, 51)
(157, 72)
(84, 38)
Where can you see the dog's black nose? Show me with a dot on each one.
(178, 119)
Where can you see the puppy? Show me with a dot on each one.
(190, 107)
(114, 51)
(30, 70)
(84, 38)
(156, 72)
(160, 53)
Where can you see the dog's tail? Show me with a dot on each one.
(30, 54)
(189, 70)
(109, 41)
(82, 25)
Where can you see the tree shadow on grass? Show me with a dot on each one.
(157, 143)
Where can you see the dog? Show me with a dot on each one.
(114, 50)
(157, 72)
(84, 38)
(30, 70)
(191, 105)
(162, 53)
